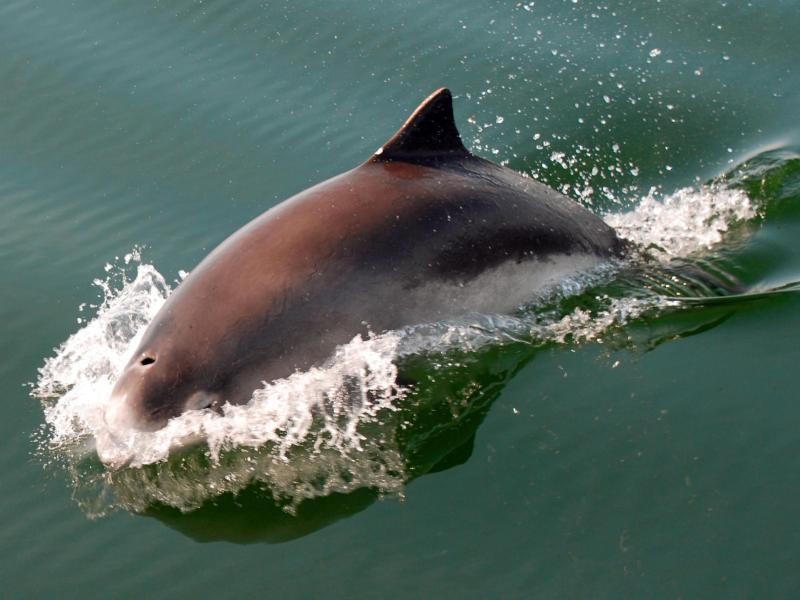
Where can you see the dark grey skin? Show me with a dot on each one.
(396, 241)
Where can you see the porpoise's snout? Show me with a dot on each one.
(147, 396)
(118, 415)
(130, 406)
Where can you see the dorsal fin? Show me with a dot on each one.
(429, 134)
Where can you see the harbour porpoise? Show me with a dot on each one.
(422, 231)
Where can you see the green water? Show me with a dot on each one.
(660, 461)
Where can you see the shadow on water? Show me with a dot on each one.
(452, 395)
(253, 515)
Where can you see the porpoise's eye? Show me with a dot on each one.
(147, 360)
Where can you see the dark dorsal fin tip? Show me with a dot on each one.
(429, 133)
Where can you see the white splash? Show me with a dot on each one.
(324, 404)
(81, 374)
(684, 222)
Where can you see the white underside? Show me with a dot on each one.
(499, 290)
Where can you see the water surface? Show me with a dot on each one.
(640, 454)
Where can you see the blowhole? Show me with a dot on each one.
(147, 360)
